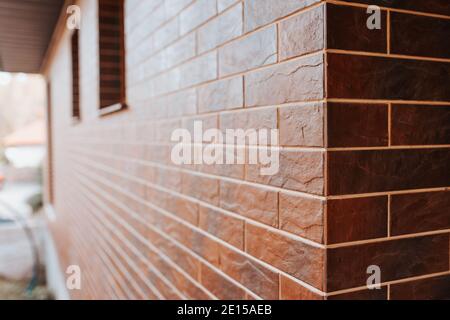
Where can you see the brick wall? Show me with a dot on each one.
(388, 159)
(364, 133)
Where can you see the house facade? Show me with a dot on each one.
(360, 103)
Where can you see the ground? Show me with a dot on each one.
(17, 290)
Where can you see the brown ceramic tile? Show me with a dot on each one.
(227, 228)
(200, 187)
(347, 30)
(291, 290)
(302, 33)
(419, 35)
(298, 170)
(302, 125)
(368, 77)
(296, 258)
(251, 202)
(357, 125)
(397, 259)
(256, 50)
(437, 288)
(220, 286)
(435, 6)
(375, 294)
(302, 216)
(256, 119)
(250, 273)
(293, 81)
(353, 172)
(356, 219)
(420, 212)
(420, 125)
(261, 12)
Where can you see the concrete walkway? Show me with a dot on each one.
(16, 259)
(16, 255)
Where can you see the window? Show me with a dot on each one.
(75, 77)
(112, 57)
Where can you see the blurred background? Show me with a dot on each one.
(22, 150)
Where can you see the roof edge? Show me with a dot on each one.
(56, 36)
